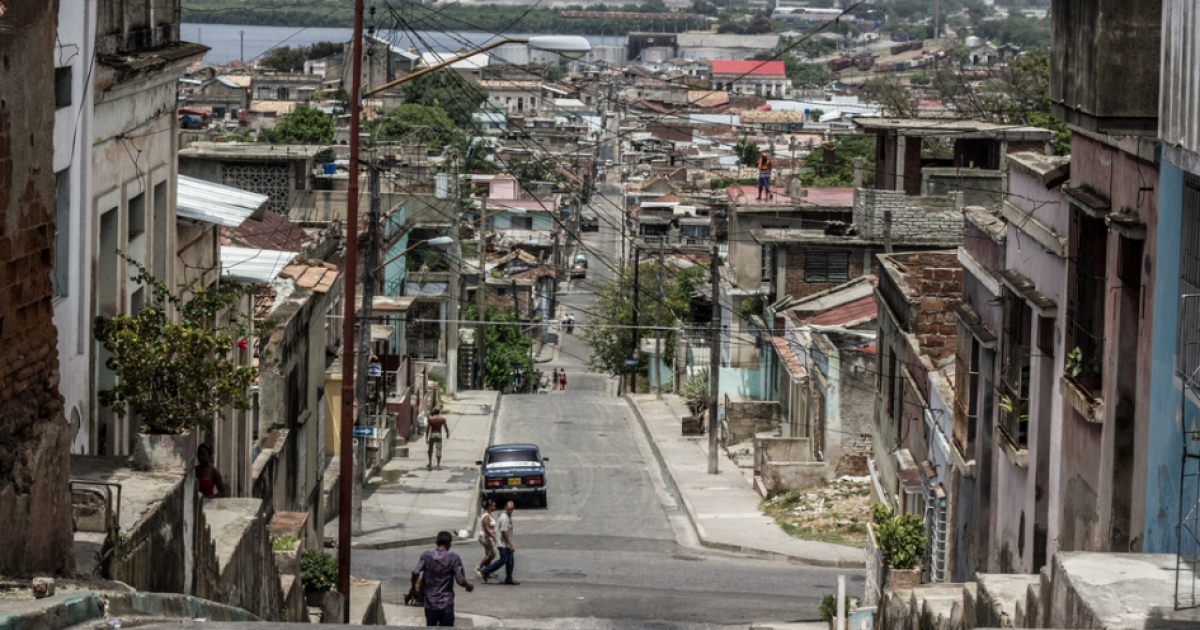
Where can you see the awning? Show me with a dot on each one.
(259, 266)
(214, 203)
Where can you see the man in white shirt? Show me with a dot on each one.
(504, 541)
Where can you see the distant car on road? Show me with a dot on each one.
(589, 222)
(578, 271)
(513, 471)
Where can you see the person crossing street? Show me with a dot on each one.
(504, 542)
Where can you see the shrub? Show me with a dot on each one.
(440, 380)
(828, 606)
(284, 543)
(901, 539)
(696, 391)
(318, 570)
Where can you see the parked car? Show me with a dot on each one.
(578, 271)
(513, 471)
(581, 259)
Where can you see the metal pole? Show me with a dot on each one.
(714, 361)
(455, 288)
(657, 323)
(362, 358)
(637, 339)
(841, 603)
(481, 293)
(349, 278)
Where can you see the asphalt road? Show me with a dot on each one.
(613, 549)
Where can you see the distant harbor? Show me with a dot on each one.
(227, 43)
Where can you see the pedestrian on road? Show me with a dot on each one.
(564, 323)
(438, 570)
(487, 536)
(504, 527)
(433, 436)
(570, 323)
(562, 380)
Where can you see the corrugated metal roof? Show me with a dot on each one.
(253, 265)
(215, 203)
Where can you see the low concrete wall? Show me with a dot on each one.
(746, 418)
(235, 564)
(366, 603)
(785, 464)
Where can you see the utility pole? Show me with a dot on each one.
(481, 291)
(242, 47)
(714, 361)
(363, 343)
(455, 287)
(657, 327)
(349, 278)
(637, 338)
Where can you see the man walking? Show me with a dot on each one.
(504, 528)
(433, 436)
(487, 536)
(764, 176)
(438, 570)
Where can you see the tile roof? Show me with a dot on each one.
(274, 231)
(790, 361)
(316, 275)
(751, 68)
(858, 310)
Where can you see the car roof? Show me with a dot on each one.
(513, 447)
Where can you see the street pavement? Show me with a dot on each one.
(405, 504)
(724, 507)
(615, 548)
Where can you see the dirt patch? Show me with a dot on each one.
(837, 512)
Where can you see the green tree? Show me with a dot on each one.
(610, 338)
(426, 123)
(806, 75)
(306, 125)
(920, 77)
(177, 376)
(321, 50)
(505, 347)
(747, 152)
(895, 97)
(841, 172)
(445, 89)
(284, 59)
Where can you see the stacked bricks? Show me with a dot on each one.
(35, 504)
(924, 219)
(936, 279)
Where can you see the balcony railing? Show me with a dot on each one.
(675, 240)
(424, 349)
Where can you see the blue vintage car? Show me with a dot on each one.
(513, 471)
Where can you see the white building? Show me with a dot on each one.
(73, 129)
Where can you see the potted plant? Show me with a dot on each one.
(827, 609)
(174, 374)
(901, 541)
(286, 550)
(318, 575)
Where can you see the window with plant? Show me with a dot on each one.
(1085, 306)
(1015, 369)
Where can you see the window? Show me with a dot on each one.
(1045, 342)
(1188, 361)
(522, 223)
(62, 87)
(1085, 312)
(1015, 369)
(966, 391)
(137, 215)
(59, 276)
(1129, 262)
(826, 266)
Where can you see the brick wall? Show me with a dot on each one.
(936, 279)
(1033, 146)
(35, 505)
(913, 218)
(793, 281)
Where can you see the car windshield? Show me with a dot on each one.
(498, 457)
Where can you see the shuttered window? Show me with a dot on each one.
(827, 266)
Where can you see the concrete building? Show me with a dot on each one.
(751, 78)
(710, 45)
(1173, 402)
(140, 60)
(35, 502)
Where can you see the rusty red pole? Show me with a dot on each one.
(350, 279)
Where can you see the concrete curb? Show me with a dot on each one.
(702, 534)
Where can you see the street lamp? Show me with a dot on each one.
(569, 46)
(440, 242)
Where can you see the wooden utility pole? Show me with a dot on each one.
(714, 361)
(350, 279)
(481, 291)
(363, 342)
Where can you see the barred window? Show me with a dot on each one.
(1189, 284)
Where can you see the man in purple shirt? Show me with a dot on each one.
(441, 568)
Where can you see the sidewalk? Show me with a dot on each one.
(406, 505)
(724, 507)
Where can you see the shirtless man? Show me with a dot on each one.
(433, 436)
